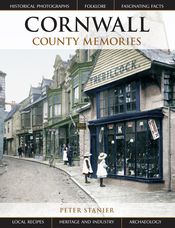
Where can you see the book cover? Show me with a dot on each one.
(87, 97)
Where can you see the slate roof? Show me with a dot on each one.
(35, 90)
(159, 55)
(12, 112)
(35, 102)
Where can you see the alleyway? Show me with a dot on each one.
(26, 181)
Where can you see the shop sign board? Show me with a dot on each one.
(81, 125)
(153, 129)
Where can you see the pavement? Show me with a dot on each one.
(125, 198)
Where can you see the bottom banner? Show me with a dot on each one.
(87, 222)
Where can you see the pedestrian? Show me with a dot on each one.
(25, 150)
(65, 158)
(101, 169)
(20, 151)
(87, 169)
(69, 155)
(29, 151)
(51, 160)
(32, 150)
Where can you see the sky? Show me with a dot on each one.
(27, 67)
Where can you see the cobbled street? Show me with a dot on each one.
(25, 181)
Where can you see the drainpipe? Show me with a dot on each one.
(169, 150)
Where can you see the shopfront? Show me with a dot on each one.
(63, 133)
(132, 151)
(129, 92)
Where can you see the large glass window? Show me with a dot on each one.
(120, 146)
(111, 144)
(132, 148)
(141, 145)
(117, 100)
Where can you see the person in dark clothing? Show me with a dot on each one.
(20, 151)
(69, 155)
(29, 151)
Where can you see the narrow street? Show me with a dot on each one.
(25, 181)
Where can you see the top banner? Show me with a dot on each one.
(87, 5)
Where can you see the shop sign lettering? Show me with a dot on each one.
(153, 129)
(119, 70)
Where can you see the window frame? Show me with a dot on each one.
(109, 98)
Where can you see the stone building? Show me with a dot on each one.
(31, 115)
(65, 97)
(2, 112)
(11, 124)
(131, 115)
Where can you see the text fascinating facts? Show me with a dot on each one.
(88, 24)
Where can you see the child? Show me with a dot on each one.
(101, 169)
(65, 159)
(87, 169)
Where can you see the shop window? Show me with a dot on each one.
(141, 145)
(153, 155)
(111, 148)
(120, 153)
(74, 141)
(130, 149)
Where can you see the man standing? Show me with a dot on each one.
(69, 155)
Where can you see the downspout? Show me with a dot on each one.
(169, 150)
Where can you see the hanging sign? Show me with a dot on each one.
(153, 129)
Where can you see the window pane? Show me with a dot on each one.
(111, 146)
(76, 94)
(57, 109)
(130, 148)
(153, 154)
(141, 145)
(104, 104)
(120, 145)
(50, 111)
